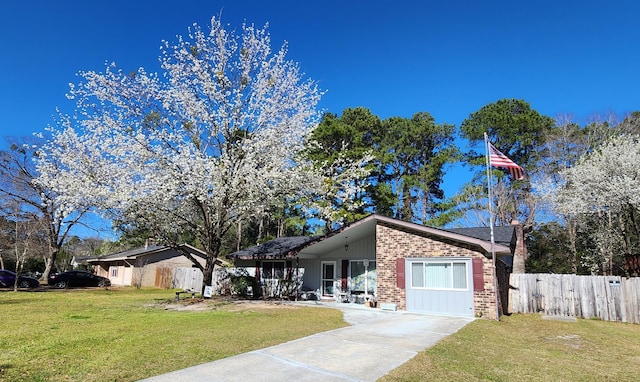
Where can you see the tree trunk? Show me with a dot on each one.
(280, 227)
(239, 242)
(260, 227)
(571, 233)
(212, 248)
(49, 264)
(208, 273)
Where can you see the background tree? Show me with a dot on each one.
(519, 132)
(28, 239)
(602, 188)
(212, 141)
(401, 178)
(36, 203)
(341, 150)
(565, 145)
(547, 248)
(412, 154)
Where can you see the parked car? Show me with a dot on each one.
(77, 279)
(8, 279)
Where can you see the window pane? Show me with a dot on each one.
(357, 268)
(327, 271)
(438, 275)
(417, 275)
(372, 282)
(327, 287)
(460, 275)
(278, 270)
(267, 270)
(357, 276)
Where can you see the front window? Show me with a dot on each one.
(273, 270)
(439, 275)
(113, 271)
(363, 276)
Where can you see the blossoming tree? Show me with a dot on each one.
(210, 141)
(40, 214)
(602, 187)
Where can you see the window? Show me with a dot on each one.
(113, 271)
(363, 277)
(439, 275)
(273, 270)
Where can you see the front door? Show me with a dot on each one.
(328, 277)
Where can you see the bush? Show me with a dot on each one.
(244, 285)
(33, 266)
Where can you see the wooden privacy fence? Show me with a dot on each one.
(609, 298)
(187, 279)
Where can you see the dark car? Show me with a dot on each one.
(8, 278)
(77, 279)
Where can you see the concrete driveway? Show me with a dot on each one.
(376, 342)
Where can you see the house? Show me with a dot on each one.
(402, 265)
(153, 266)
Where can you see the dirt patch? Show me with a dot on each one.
(227, 304)
(573, 341)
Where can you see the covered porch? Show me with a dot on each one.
(340, 266)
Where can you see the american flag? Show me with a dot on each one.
(498, 159)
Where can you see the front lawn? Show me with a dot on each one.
(127, 334)
(528, 348)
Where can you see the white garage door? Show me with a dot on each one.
(440, 286)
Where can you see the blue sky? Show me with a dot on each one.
(448, 58)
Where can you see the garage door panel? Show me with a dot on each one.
(440, 302)
(443, 301)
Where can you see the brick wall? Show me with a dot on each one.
(520, 250)
(394, 242)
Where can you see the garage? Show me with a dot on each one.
(442, 286)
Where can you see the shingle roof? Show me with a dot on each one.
(501, 235)
(132, 254)
(276, 248)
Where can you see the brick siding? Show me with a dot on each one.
(397, 242)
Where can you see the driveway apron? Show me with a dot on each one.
(376, 342)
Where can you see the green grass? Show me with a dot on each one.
(127, 334)
(528, 348)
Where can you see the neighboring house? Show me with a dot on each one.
(152, 266)
(402, 265)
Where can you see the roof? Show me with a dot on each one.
(314, 246)
(133, 254)
(504, 235)
(276, 248)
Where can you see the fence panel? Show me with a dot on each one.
(187, 279)
(163, 277)
(631, 289)
(609, 298)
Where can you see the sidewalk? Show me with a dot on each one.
(376, 343)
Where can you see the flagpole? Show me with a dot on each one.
(493, 250)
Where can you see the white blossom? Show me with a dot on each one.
(603, 186)
(213, 139)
